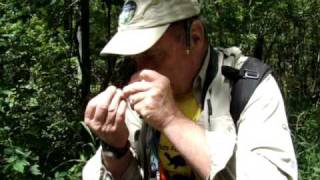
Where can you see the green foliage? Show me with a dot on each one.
(307, 140)
(39, 102)
(18, 163)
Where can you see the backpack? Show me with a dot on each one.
(244, 80)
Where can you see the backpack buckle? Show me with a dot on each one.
(249, 74)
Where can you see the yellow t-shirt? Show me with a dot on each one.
(170, 159)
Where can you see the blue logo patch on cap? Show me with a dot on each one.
(127, 13)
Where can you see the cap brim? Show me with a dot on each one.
(134, 41)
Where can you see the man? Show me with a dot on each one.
(172, 120)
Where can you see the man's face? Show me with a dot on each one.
(169, 58)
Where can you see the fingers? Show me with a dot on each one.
(113, 108)
(135, 88)
(105, 116)
(149, 75)
(136, 98)
(146, 74)
(103, 101)
(120, 115)
(90, 110)
(141, 80)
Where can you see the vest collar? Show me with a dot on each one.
(206, 74)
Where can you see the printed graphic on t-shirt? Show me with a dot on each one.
(171, 161)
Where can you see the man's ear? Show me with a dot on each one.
(197, 33)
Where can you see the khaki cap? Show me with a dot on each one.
(143, 22)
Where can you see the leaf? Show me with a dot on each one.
(24, 154)
(6, 92)
(33, 102)
(83, 158)
(19, 165)
(11, 159)
(53, 2)
(35, 170)
(60, 175)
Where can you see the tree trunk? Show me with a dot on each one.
(258, 49)
(84, 51)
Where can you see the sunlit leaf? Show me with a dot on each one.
(20, 165)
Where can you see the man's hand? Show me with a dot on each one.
(150, 95)
(105, 116)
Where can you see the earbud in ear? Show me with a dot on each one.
(188, 36)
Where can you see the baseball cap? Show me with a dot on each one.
(142, 23)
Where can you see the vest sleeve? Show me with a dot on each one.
(264, 145)
(95, 170)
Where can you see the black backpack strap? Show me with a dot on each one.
(245, 81)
